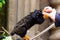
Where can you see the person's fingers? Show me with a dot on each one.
(52, 14)
(53, 11)
(47, 10)
(48, 7)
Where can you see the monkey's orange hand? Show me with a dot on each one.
(26, 37)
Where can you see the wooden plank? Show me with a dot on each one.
(21, 7)
(11, 14)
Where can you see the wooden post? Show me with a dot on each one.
(21, 7)
(11, 14)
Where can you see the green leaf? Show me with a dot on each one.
(1, 5)
(3, 1)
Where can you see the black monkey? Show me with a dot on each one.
(27, 22)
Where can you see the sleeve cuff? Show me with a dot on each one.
(57, 20)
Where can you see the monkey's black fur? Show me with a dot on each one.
(27, 22)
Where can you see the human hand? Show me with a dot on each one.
(49, 12)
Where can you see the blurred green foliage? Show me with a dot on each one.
(2, 2)
(2, 12)
(4, 36)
